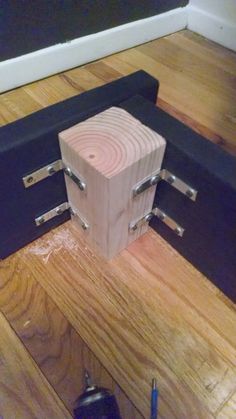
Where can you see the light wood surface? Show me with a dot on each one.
(49, 338)
(148, 313)
(229, 410)
(112, 152)
(145, 315)
(197, 81)
(24, 391)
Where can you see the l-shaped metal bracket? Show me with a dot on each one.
(50, 170)
(170, 178)
(58, 211)
(162, 216)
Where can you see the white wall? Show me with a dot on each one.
(215, 19)
(224, 9)
(57, 58)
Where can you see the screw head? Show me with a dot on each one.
(51, 170)
(171, 179)
(190, 193)
(67, 171)
(138, 189)
(84, 226)
(72, 212)
(178, 231)
(162, 216)
(82, 186)
(59, 211)
(41, 220)
(30, 179)
(154, 180)
(148, 217)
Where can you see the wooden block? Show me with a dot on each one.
(112, 152)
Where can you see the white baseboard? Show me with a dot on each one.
(57, 58)
(45, 62)
(212, 27)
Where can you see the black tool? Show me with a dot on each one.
(96, 403)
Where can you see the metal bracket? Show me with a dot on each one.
(170, 178)
(168, 221)
(72, 176)
(58, 211)
(50, 170)
(162, 216)
(133, 226)
(42, 173)
(52, 213)
(82, 222)
(178, 184)
(147, 183)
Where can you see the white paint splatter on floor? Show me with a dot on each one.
(61, 239)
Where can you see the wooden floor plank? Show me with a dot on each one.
(193, 81)
(24, 391)
(15, 105)
(45, 332)
(188, 96)
(178, 55)
(208, 50)
(83, 78)
(228, 411)
(50, 339)
(116, 63)
(133, 297)
(193, 289)
(201, 76)
(103, 71)
(52, 90)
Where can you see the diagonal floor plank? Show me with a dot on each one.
(24, 391)
(146, 315)
(50, 339)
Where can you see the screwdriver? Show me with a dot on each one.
(96, 403)
(154, 400)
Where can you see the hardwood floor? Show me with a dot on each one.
(25, 392)
(141, 315)
(51, 341)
